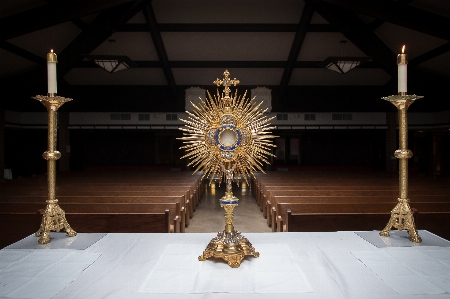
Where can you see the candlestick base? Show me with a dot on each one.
(402, 219)
(54, 219)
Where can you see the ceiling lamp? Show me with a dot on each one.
(111, 63)
(343, 64)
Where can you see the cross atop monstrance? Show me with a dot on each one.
(226, 82)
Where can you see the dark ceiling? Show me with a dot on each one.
(175, 44)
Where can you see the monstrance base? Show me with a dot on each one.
(230, 246)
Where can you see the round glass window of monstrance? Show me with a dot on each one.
(228, 138)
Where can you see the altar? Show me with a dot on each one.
(290, 265)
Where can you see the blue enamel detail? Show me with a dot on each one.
(229, 202)
(223, 127)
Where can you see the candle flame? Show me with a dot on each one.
(51, 50)
(403, 49)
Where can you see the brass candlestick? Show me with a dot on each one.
(54, 218)
(401, 215)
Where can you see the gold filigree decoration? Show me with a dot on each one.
(239, 118)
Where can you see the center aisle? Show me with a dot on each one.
(210, 217)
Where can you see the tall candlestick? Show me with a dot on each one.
(51, 72)
(402, 62)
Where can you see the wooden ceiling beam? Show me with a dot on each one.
(378, 22)
(152, 28)
(375, 24)
(224, 64)
(182, 27)
(51, 14)
(80, 24)
(430, 54)
(358, 33)
(297, 44)
(96, 33)
(400, 14)
(22, 53)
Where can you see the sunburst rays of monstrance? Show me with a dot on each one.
(228, 137)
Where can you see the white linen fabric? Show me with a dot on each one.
(178, 271)
(291, 265)
(401, 239)
(40, 274)
(59, 241)
(409, 272)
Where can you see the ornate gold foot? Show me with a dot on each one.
(234, 260)
(414, 236)
(231, 247)
(402, 219)
(54, 219)
(385, 233)
(45, 238)
(209, 252)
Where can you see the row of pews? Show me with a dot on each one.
(339, 201)
(118, 202)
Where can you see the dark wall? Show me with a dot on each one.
(98, 148)
(23, 151)
(124, 147)
(17, 97)
(340, 148)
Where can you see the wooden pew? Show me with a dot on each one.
(434, 222)
(362, 186)
(113, 190)
(346, 208)
(272, 216)
(133, 200)
(16, 226)
(117, 186)
(109, 196)
(101, 208)
(350, 192)
(308, 222)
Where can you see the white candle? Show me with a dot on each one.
(51, 72)
(402, 63)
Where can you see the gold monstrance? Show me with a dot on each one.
(228, 137)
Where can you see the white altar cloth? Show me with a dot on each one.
(291, 265)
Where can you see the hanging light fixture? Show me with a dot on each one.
(343, 64)
(111, 63)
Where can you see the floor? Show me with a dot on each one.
(209, 216)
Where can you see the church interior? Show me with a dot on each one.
(96, 161)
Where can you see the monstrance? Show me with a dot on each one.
(229, 138)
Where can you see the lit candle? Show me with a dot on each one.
(402, 63)
(51, 72)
